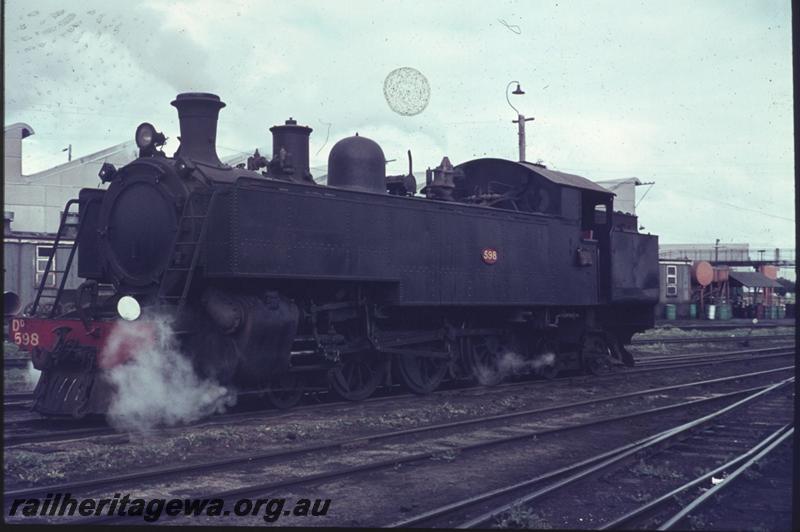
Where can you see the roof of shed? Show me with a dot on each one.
(754, 280)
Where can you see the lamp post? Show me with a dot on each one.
(520, 121)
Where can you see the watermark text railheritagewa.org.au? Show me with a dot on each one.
(151, 510)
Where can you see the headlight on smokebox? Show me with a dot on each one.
(147, 138)
(128, 308)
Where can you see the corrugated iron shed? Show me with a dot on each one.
(754, 280)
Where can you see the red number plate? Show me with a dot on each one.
(489, 255)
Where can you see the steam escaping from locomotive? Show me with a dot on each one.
(543, 360)
(32, 375)
(158, 386)
(511, 363)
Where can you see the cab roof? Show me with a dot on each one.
(559, 178)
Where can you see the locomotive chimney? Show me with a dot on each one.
(290, 151)
(198, 113)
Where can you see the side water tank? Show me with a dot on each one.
(357, 163)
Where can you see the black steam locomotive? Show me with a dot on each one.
(281, 285)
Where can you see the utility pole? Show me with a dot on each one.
(68, 149)
(521, 127)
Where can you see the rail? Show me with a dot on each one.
(575, 472)
(430, 450)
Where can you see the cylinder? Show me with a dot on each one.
(693, 310)
(198, 113)
(670, 311)
(711, 312)
(290, 151)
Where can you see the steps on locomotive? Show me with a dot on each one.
(171, 289)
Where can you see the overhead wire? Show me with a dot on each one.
(738, 207)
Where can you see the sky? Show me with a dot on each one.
(695, 96)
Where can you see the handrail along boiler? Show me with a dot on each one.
(277, 284)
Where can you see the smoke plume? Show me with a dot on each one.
(157, 385)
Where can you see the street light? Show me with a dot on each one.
(520, 121)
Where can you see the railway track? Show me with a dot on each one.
(732, 500)
(421, 444)
(675, 508)
(718, 326)
(709, 339)
(558, 492)
(39, 430)
(26, 396)
(667, 360)
(17, 405)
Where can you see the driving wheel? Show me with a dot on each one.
(485, 356)
(358, 376)
(285, 391)
(422, 374)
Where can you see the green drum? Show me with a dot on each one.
(693, 311)
(671, 311)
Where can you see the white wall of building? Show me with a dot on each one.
(625, 190)
(37, 200)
